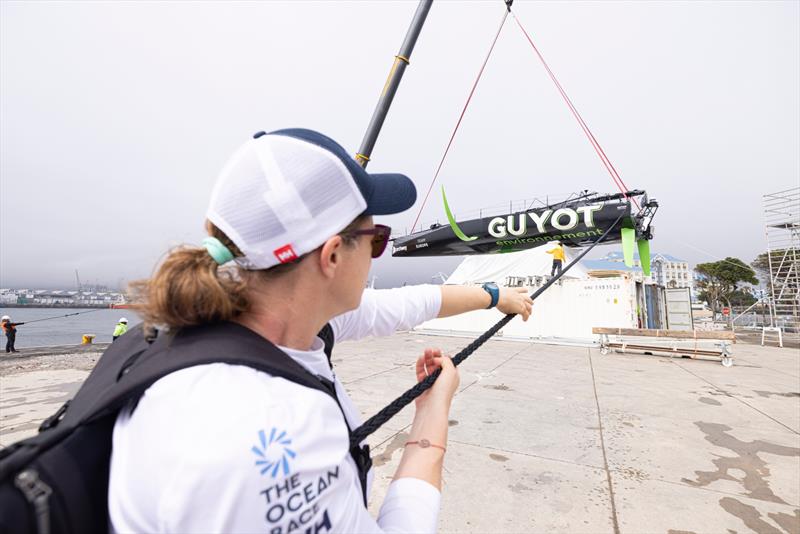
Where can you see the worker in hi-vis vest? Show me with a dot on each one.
(558, 257)
(121, 328)
(10, 330)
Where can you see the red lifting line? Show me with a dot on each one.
(595, 144)
(446, 150)
(597, 148)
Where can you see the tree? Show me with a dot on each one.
(742, 297)
(718, 280)
(784, 260)
(761, 266)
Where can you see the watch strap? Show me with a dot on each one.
(494, 292)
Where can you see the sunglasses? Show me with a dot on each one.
(380, 238)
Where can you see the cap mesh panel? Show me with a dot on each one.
(319, 182)
(244, 208)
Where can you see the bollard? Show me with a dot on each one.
(87, 339)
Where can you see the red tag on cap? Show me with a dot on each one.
(285, 254)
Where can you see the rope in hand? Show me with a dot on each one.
(374, 423)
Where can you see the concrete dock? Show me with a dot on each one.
(547, 438)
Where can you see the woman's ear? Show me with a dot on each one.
(330, 256)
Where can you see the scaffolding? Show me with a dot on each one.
(782, 226)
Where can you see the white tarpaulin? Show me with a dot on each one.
(566, 310)
(497, 267)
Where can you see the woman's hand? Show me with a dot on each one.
(515, 300)
(430, 421)
(447, 382)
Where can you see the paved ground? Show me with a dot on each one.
(790, 339)
(562, 439)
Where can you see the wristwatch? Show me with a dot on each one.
(494, 292)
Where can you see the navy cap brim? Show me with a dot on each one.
(391, 193)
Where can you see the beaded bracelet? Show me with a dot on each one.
(424, 443)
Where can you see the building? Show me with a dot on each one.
(611, 264)
(665, 270)
(669, 271)
(60, 298)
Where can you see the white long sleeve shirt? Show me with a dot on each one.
(227, 448)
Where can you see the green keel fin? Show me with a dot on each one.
(453, 224)
(628, 239)
(644, 255)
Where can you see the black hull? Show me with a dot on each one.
(575, 226)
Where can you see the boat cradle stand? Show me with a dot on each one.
(719, 351)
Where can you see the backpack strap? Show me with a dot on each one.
(359, 453)
(225, 342)
(327, 337)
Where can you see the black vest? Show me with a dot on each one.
(57, 481)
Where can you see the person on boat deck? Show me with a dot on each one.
(558, 257)
(292, 213)
(10, 330)
(121, 328)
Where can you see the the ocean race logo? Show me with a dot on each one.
(273, 454)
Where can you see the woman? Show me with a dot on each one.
(223, 447)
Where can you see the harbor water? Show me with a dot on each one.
(64, 330)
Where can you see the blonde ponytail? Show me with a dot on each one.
(190, 289)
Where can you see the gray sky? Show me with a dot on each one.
(116, 117)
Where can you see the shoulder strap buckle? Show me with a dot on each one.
(54, 419)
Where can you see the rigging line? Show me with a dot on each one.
(61, 316)
(595, 144)
(460, 118)
(374, 423)
(599, 149)
(709, 254)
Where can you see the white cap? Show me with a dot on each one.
(285, 193)
(5, 318)
(123, 320)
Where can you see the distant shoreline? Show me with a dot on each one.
(66, 306)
